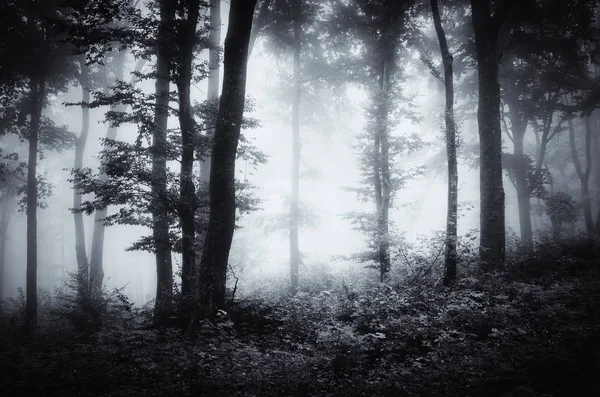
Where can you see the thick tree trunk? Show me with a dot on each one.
(80, 143)
(214, 40)
(492, 220)
(160, 222)
(584, 174)
(452, 211)
(187, 192)
(213, 267)
(295, 188)
(37, 92)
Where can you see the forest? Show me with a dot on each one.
(300, 198)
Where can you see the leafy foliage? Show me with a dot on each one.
(532, 331)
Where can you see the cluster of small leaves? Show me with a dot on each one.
(561, 207)
(536, 179)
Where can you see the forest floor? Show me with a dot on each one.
(531, 332)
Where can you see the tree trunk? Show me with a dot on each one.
(187, 192)
(518, 128)
(259, 23)
(383, 184)
(492, 220)
(214, 40)
(37, 92)
(452, 211)
(97, 251)
(80, 143)
(597, 170)
(221, 224)
(295, 188)
(584, 174)
(6, 208)
(160, 222)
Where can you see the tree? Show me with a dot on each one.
(84, 80)
(214, 42)
(378, 28)
(221, 224)
(44, 69)
(452, 212)
(583, 172)
(486, 26)
(533, 77)
(187, 41)
(160, 224)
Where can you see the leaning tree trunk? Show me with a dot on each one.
(80, 143)
(584, 174)
(295, 188)
(452, 211)
(160, 222)
(37, 92)
(492, 220)
(187, 204)
(221, 223)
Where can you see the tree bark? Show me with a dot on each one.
(295, 188)
(492, 219)
(221, 224)
(383, 185)
(160, 222)
(597, 171)
(37, 93)
(452, 211)
(187, 192)
(80, 143)
(584, 173)
(214, 40)
(518, 129)
(6, 208)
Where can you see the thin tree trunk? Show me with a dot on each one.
(221, 224)
(97, 251)
(214, 40)
(381, 168)
(596, 166)
(37, 92)
(523, 191)
(80, 143)
(452, 211)
(259, 23)
(187, 192)
(6, 208)
(386, 178)
(492, 218)
(160, 222)
(295, 188)
(583, 174)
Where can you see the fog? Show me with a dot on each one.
(328, 164)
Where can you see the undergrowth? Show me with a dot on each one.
(532, 330)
